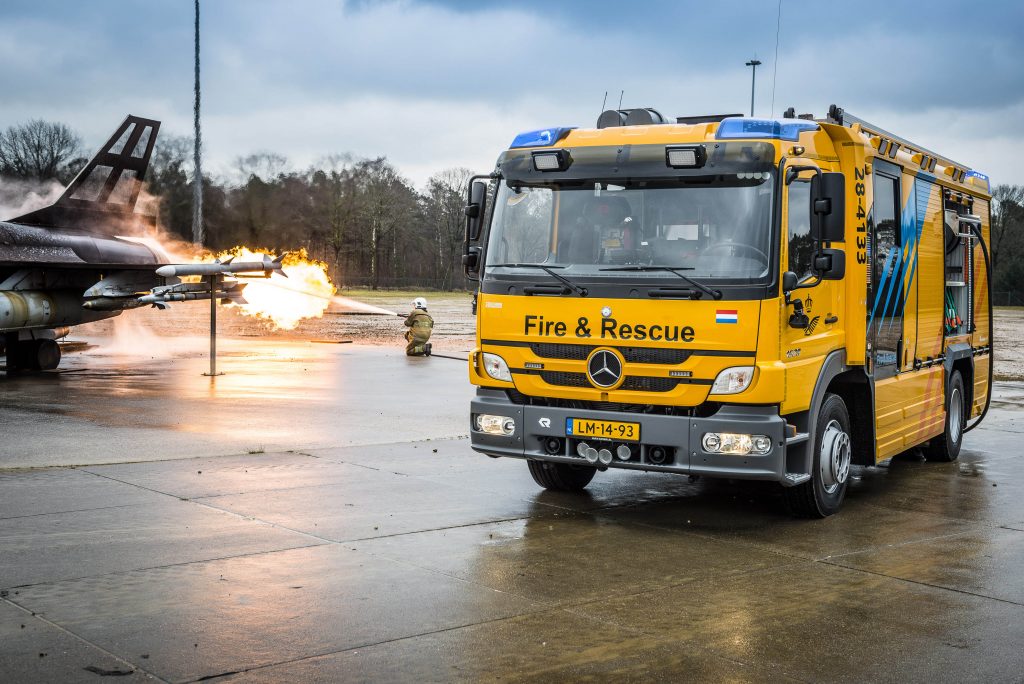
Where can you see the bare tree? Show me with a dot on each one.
(38, 149)
(1007, 219)
(445, 203)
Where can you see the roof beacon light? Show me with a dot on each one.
(685, 157)
(746, 127)
(545, 137)
(982, 179)
(555, 160)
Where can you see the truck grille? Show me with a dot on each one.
(579, 352)
(632, 383)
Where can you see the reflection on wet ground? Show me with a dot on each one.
(354, 548)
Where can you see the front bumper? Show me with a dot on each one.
(678, 436)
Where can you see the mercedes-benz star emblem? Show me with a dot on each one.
(604, 368)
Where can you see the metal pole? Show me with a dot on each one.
(197, 181)
(753, 80)
(213, 327)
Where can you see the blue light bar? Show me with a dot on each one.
(545, 137)
(746, 127)
(980, 176)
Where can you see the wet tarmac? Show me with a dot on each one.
(316, 514)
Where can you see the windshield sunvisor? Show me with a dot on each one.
(591, 163)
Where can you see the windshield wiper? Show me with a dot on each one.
(581, 291)
(714, 294)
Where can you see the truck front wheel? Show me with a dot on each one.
(561, 477)
(822, 495)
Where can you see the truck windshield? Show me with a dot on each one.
(713, 227)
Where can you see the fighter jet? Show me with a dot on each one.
(75, 261)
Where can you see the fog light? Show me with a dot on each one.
(736, 444)
(581, 449)
(495, 425)
(623, 452)
(591, 455)
(604, 456)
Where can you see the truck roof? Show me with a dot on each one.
(816, 137)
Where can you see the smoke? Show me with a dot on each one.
(19, 196)
(131, 337)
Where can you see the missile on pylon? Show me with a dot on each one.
(186, 292)
(228, 267)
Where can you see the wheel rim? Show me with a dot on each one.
(956, 412)
(834, 457)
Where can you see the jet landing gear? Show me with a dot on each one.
(35, 355)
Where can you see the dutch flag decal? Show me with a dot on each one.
(727, 316)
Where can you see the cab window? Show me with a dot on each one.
(799, 228)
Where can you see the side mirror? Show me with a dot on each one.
(830, 264)
(471, 250)
(475, 210)
(471, 260)
(828, 207)
(790, 281)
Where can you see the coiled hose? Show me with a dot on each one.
(976, 229)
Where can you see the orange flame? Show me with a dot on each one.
(284, 302)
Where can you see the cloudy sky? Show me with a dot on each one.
(449, 83)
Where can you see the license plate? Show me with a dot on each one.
(602, 429)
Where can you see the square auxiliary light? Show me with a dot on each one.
(555, 160)
(691, 157)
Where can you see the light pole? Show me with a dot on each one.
(197, 181)
(753, 79)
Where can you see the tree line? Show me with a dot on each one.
(360, 216)
(366, 221)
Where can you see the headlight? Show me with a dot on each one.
(495, 425)
(733, 380)
(496, 367)
(736, 444)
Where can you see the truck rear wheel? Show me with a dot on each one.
(822, 495)
(946, 447)
(561, 477)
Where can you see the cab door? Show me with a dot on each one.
(805, 346)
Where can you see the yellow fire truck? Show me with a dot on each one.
(726, 296)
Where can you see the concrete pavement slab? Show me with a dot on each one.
(208, 618)
(222, 475)
(552, 646)
(33, 650)
(753, 515)
(63, 490)
(275, 395)
(986, 562)
(47, 548)
(352, 509)
(819, 622)
(566, 560)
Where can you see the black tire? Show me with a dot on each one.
(946, 447)
(44, 355)
(823, 494)
(561, 477)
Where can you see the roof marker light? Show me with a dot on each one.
(555, 160)
(544, 137)
(779, 129)
(689, 157)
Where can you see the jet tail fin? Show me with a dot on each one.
(104, 194)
